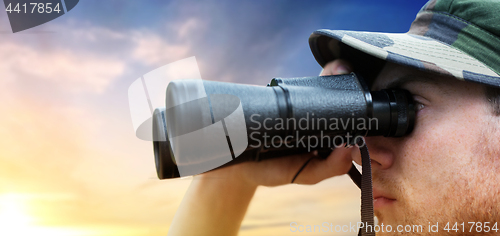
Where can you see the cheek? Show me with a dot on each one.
(436, 153)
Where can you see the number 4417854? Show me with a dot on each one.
(472, 227)
(40, 8)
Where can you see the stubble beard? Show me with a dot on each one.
(472, 195)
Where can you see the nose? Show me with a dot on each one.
(381, 153)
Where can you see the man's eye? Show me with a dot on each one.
(419, 106)
(419, 102)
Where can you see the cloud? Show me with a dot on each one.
(188, 27)
(59, 67)
(92, 33)
(90, 58)
(153, 48)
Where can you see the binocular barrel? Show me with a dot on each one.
(207, 125)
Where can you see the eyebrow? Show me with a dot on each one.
(401, 81)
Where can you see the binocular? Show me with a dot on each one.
(207, 125)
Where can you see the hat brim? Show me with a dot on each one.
(416, 51)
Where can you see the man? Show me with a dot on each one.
(445, 171)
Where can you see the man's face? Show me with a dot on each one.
(446, 169)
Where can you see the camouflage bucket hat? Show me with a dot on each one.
(460, 38)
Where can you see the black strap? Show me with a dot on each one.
(364, 182)
(301, 169)
(355, 176)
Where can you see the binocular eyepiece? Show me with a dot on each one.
(207, 125)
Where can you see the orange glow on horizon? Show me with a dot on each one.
(16, 219)
(13, 215)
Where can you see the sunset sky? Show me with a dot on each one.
(70, 163)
